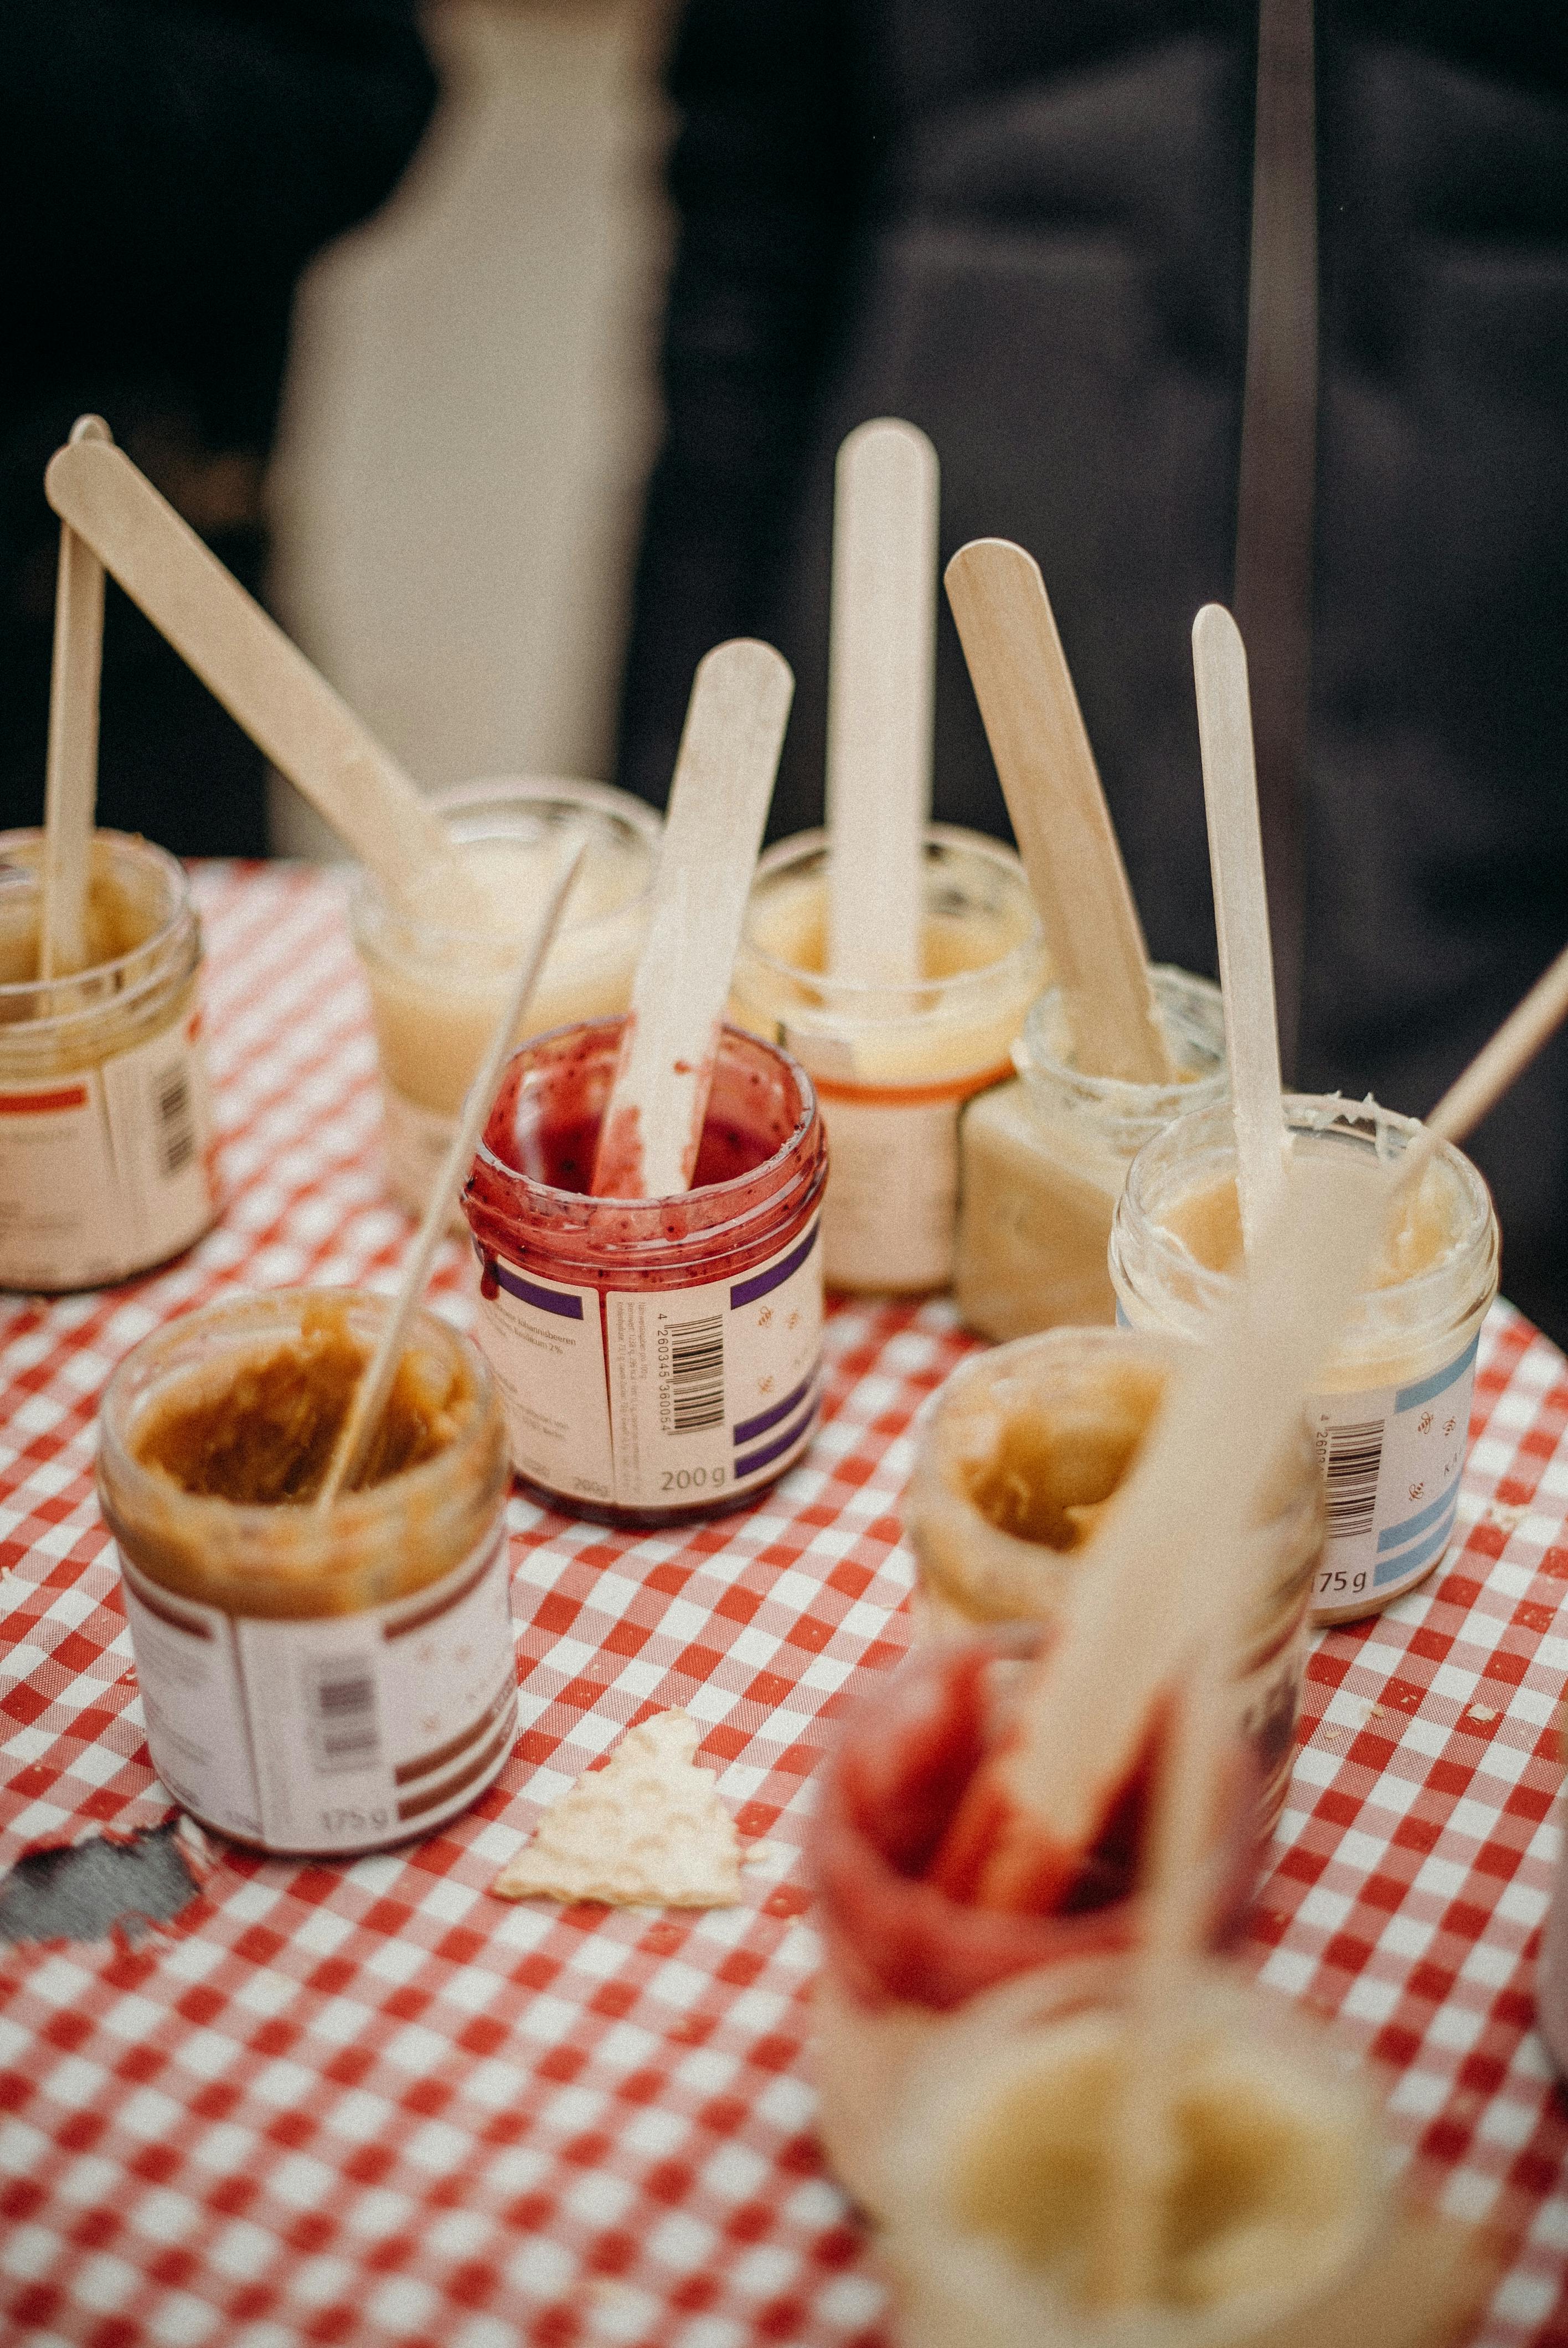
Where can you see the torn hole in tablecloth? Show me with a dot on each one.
(105, 1885)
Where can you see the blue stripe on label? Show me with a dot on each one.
(746, 1292)
(549, 1300)
(1394, 1534)
(750, 1461)
(1389, 1568)
(750, 1429)
(1411, 1397)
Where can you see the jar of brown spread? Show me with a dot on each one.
(313, 1679)
(105, 1130)
(1026, 1446)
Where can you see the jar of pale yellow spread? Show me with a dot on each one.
(313, 1679)
(892, 1065)
(1275, 2207)
(1022, 1451)
(105, 1122)
(436, 992)
(1389, 1414)
(1042, 1161)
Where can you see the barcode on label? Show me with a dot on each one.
(175, 1118)
(1352, 1456)
(693, 1363)
(345, 1732)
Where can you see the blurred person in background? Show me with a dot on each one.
(168, 168)
(1026, 229)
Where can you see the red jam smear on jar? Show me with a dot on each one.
(891, 1794)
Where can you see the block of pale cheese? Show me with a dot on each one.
(647, 1830)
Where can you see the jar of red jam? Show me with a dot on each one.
(902, 1954)
(659, 1359)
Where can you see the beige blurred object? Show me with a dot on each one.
(471, 411)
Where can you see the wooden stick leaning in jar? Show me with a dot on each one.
(376, 1384)
(71, 769)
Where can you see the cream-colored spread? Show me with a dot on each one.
(436, 992)
(647, 1830)
(918, 1042)
(1207, 1222)
(1267, 2195)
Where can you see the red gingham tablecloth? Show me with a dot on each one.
(367, 2103)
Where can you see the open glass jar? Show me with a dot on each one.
(317, 1680)
(660, 1358)
(892, 1065)
(105, 1122)
(1389, 1414)
(437, 993)
(1043, 1160)
(1024, 1446)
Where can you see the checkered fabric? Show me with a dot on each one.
(366, 2102)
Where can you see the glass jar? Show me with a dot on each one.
(998, 2180)
(1389, 1414)
(660, 1358)
(900, 1956)
(314, 1680)
(437, 993)
(105, 1120)
(1042, 1162)
(892, 1065)
(1024, 1445)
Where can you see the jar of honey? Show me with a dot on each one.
(315, 1679)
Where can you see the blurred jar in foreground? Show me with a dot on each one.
(1023, 1448)
(1389, 1414)
(892, 1065)
(1275, 2218)
(901, 1955)
(436, 993)
(106, 1124)
(315, 1680)
(1043, 1160)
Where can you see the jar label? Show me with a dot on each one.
(107, 1171)
(338, 1733)
(657, 1398)
(415, 1142)
(1390, 1457)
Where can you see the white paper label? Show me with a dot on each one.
(1391, 1458)
(106, 1171)
(335, 1733)
(415, 1142)
(657, 1398)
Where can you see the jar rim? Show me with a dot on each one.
(255, 1314)
(1127, 1097)
(552, 1193)
(119, 983)
(371, 909)
(921, 993)
(1306, 1114)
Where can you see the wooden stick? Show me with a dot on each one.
(1530, 1024)
(880, 696)
(1241, 915)
(262, 680)
(718, 806)
(370, 1396)
(1059, 813)
(71, 765)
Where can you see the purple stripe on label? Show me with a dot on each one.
(746, 1292)
(750, 1429)
(549, 1300)
(750, 1461)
